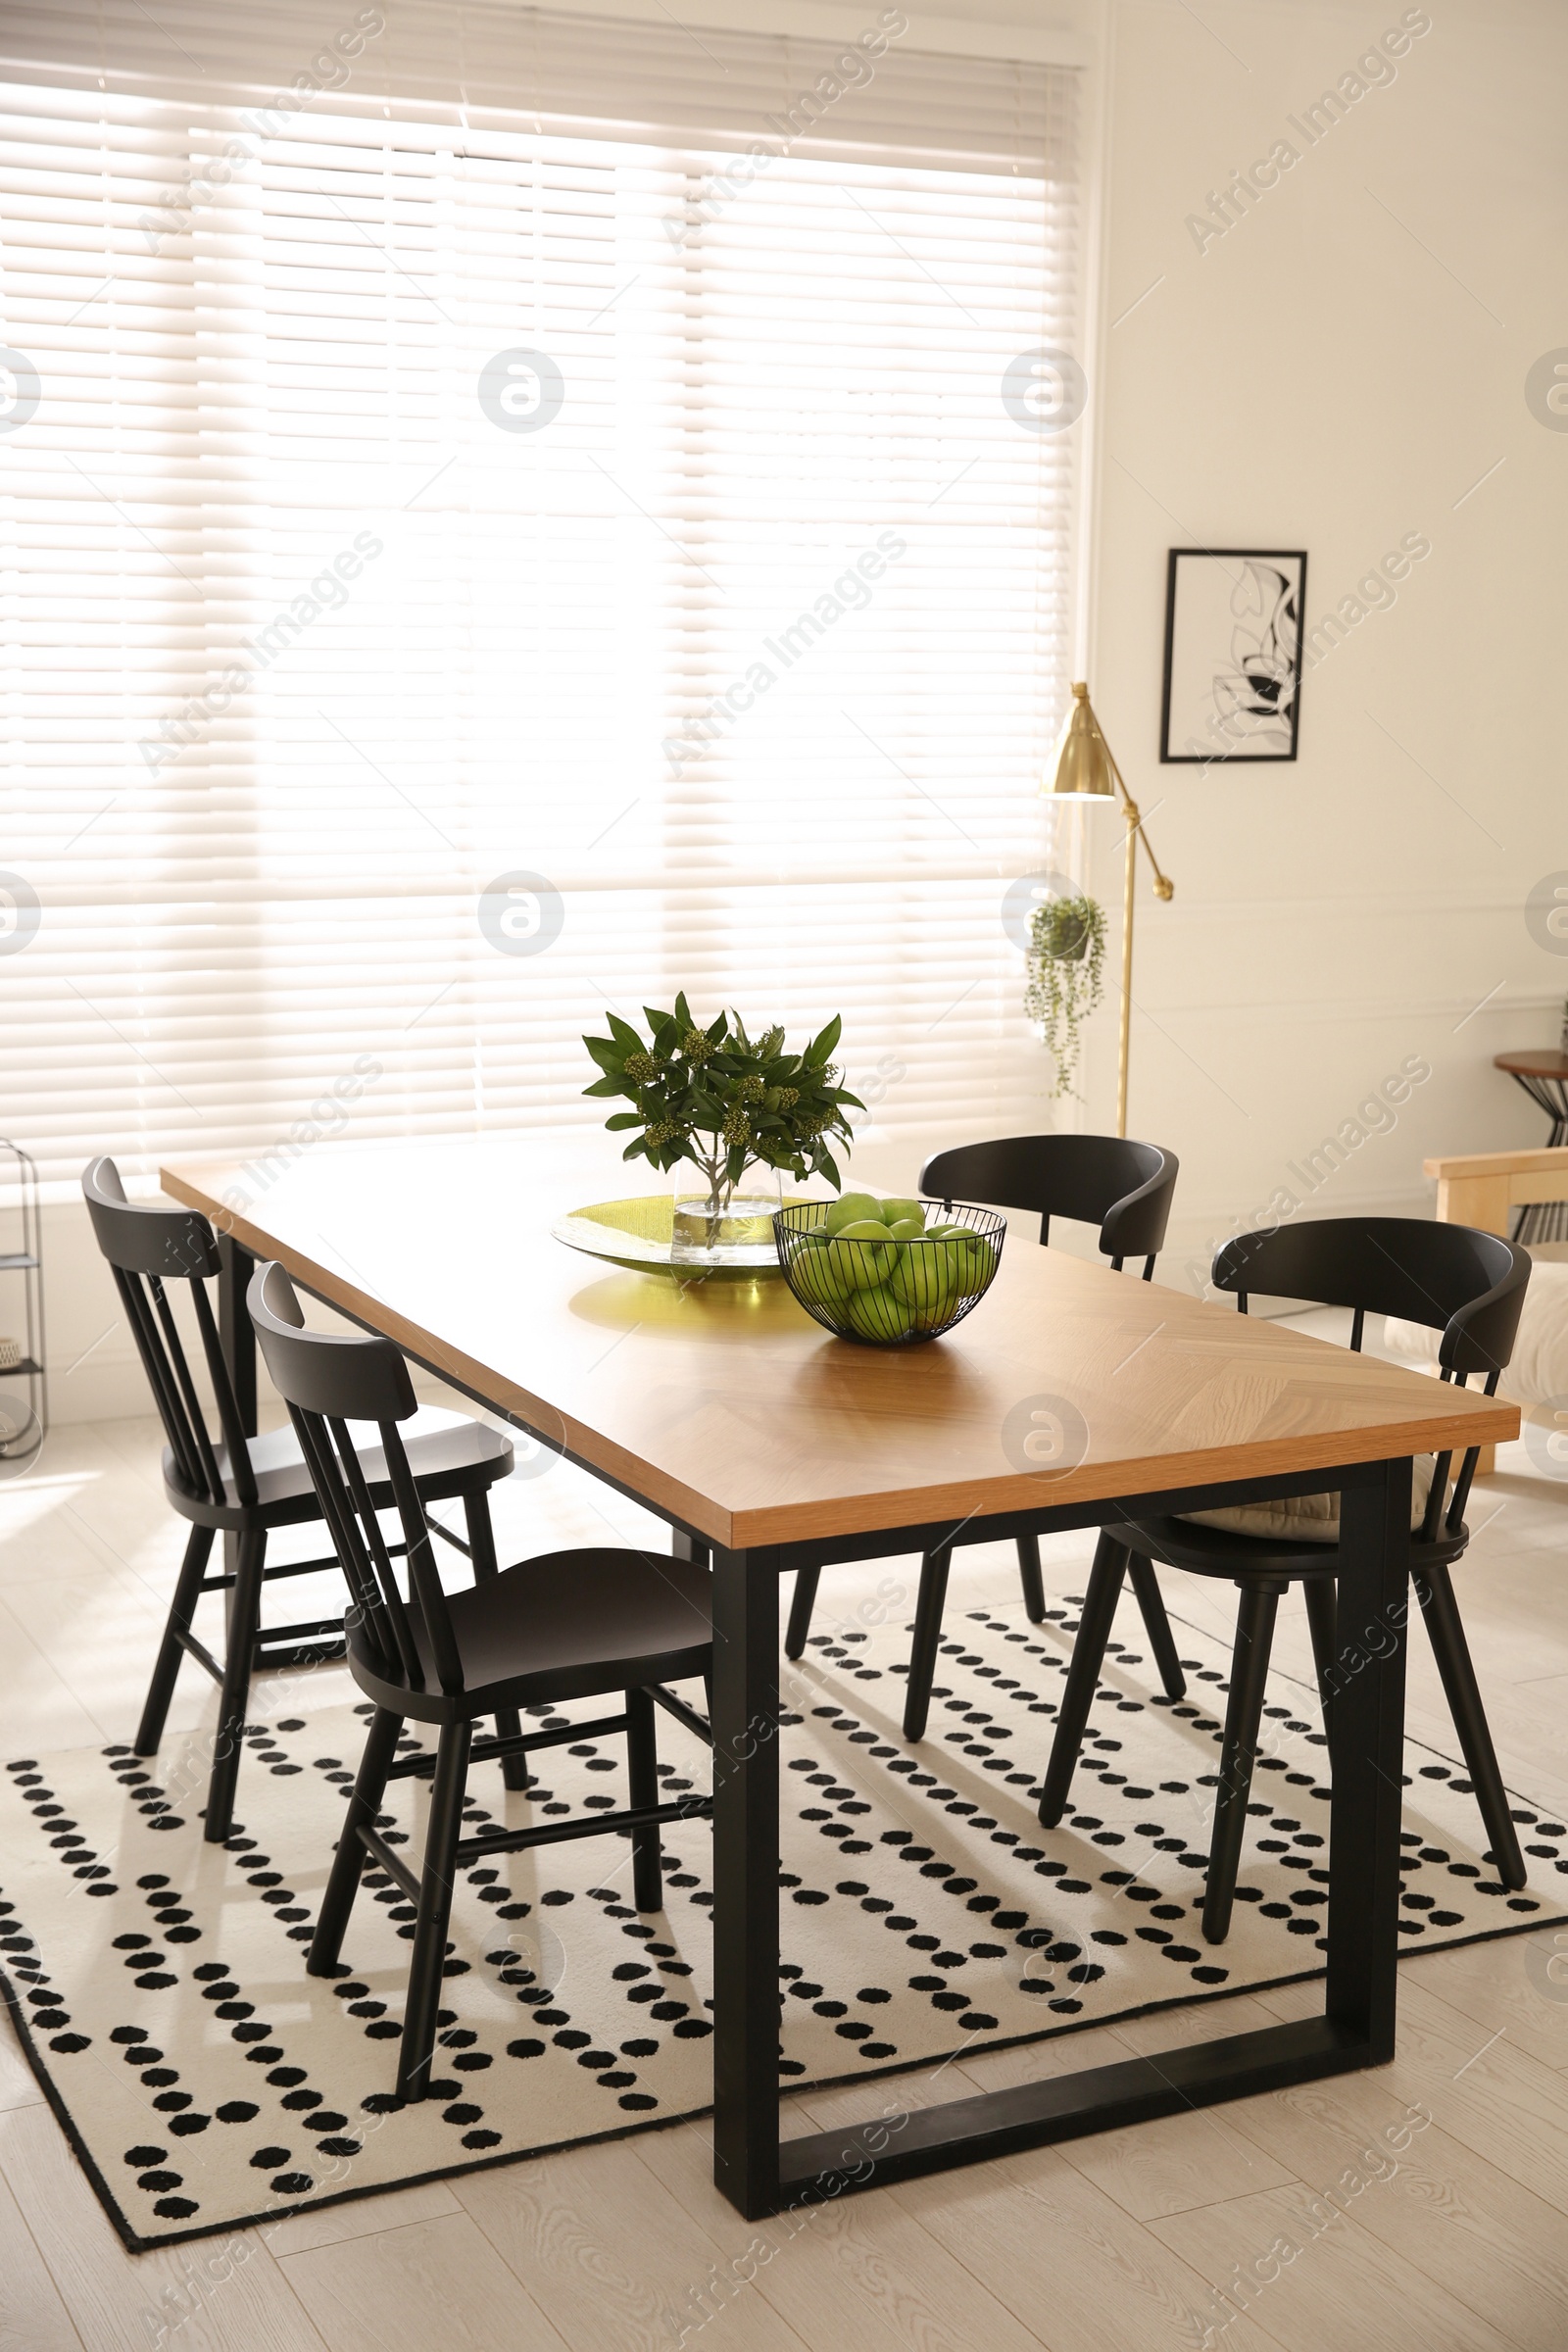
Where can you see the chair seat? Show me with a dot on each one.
(565, 1624)
(1305, 1518)
(447, 1453)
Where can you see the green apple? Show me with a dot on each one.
(813, 1274)
(877, 1314)
(848, 1209)
(973, 1262)
(922, 1277)
(907, 1229)
(869, 1262)
(902, 1212)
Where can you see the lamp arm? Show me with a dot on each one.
(1164, 888)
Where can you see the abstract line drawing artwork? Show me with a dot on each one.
(1233, 655)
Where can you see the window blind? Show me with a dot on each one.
(473, 555)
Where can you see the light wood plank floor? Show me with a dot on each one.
(1418, 2209)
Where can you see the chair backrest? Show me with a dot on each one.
(1123, 1188)
(1468, 1284)
(150, 1246)
(328, 1379)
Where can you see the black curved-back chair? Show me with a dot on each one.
(1471, 1287)
(565, 1625)
(245, 1487)
(1125, 1188)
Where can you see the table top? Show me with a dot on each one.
(1534, 1062)
(730, 1407)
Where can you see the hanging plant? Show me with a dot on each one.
(1066, 968)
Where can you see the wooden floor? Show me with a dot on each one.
(1423, 2208)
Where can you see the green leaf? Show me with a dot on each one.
(608, 1086)
(622, 1119)
(626, 1037)
(822, 1045)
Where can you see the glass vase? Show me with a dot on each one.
(737, 1232)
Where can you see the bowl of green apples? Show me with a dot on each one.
(887, 1273)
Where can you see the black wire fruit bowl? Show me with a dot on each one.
(894, 1293)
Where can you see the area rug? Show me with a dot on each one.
(206, 2083)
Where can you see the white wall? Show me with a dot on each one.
(1335, 371)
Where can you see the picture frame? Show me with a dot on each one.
(1234, 628)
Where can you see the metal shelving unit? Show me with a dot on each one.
(23, 1408)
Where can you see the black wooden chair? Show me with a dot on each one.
(567, 1625)
(1123, 1188)
(1470, 1285)
(246, 1487)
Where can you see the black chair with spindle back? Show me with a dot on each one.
(568, 1625)
(246, 1487)
(1125, 1188)
(1470, 1286)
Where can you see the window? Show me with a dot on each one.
(469, 565)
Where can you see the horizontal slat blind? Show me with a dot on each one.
(752, 651)
(459, 62)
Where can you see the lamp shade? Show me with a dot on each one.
(1080, 766)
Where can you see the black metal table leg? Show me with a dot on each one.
(1356, 2027)
(1366, 1749)
(745, 1864)
(235, 1266)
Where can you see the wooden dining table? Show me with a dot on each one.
(767, 1445)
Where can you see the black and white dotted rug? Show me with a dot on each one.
(206, 2082)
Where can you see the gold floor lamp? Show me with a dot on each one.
(1082, 768)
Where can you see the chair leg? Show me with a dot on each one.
(244, 1622)
(1034, 1590)
(482, 1547)
(1255, 1638)
(447, 1792)
(343, 1880)
(181, 1609)
(1319, 1594)
(642, 1771)
(800, 1607)
(1156, 1624)
(1082, 1674)
(929, 1609)
(1435, 1591)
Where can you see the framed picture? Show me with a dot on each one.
(1233, 655)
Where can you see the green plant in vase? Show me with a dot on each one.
(1067, 976)
(723, 1102)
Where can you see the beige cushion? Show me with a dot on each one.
(1304, 1518)
(1539, 1367)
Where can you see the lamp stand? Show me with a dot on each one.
(1084, 769)
(1124, 1047)
(1163, 889)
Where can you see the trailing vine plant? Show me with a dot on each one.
(1067, 976)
